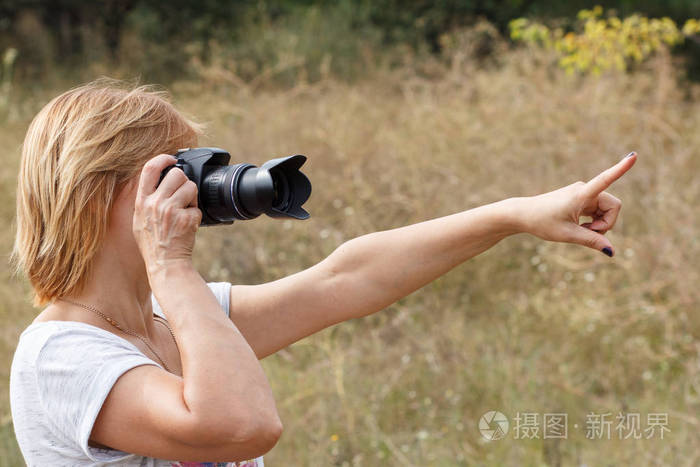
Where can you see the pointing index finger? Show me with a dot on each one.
(603, 180)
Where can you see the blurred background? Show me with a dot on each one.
(409, 110)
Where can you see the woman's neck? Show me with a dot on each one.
(118, 287)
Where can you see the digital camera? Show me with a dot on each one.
(243, 191)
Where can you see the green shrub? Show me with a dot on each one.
(599, 43)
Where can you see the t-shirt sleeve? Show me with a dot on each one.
(76, 369)
(221, 290)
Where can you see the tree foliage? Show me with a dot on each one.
(599, 43)
(157, 37)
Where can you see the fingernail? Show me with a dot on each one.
(630, 155)
(607, 251)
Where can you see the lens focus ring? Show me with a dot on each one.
(235, 180)
(214, 180)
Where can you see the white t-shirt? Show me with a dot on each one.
(61, 373)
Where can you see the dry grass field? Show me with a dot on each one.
(527, 327)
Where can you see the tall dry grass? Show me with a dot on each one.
(528, 326)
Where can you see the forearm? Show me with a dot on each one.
(223, 382)
(371, 272)
(365, 275)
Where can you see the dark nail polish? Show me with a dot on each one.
(630, 155)
(607, 251)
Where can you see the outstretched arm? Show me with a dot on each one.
(368, 273)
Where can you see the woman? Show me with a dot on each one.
(136, 359)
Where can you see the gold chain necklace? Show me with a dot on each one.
(128, 331)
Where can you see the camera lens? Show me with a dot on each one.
(282, 193)
(244, 191)
(216, 194)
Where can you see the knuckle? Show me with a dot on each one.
(150, 168)
(155, 163)
(149, 204)
(197, 216)
(192, 193)
(591, 242)
(167, 209)
(569, 235)
(190, 188)
(179, 175)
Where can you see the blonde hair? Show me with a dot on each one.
(78, 151)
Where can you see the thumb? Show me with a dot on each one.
(591, 239)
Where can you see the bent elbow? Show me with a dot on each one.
(269, 434)
(259, 437)
(241, 437)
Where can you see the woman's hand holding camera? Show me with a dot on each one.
(166, 216)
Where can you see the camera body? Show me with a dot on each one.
(243, 191)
